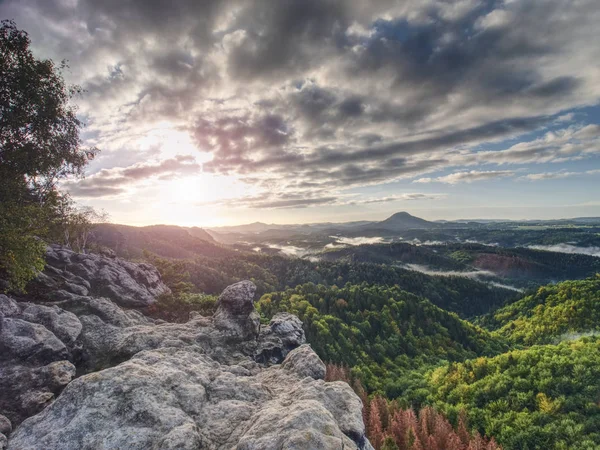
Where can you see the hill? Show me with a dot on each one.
(523, 267)
(404, 221)
(544, 397)
(554, 312)
(380, 331)
(164, 240)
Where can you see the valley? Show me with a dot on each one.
(484, 321)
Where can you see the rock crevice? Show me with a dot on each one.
(79, 371)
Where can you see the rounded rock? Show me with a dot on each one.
(304, 362)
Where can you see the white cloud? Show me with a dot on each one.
(468, 177)
(558, 175)
(345, 95)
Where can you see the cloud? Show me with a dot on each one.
(558, 175)
(468, 177)
(400, 197)
(299, 200)
(115, 181)
(319, 96)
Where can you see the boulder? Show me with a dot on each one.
(126, 283)
(235, 313)
(29, 342)
(64, 324)
(8, 307)
(304, 362)
(283, 334)
(27, 390)
(180, 398)
(5, 429)
(5, 425)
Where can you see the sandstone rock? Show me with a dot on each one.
(103, 308)
(235, 311)
(5, 425)
(29, 342)
(213, 382)
(126, 283)
(27, 390)
(283, 334)
(65, 325)
(8, 307)
(304, 362)
(181, 398)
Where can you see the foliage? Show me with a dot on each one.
(39, 145)
(39, 130)
(564, 310)
(21, 252)
(177, 306)
(464, 296)
(379, 331)
(391, 427)
(545, 397)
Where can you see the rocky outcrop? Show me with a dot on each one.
(180, 398)
(5, 429)
(235, 313)
(216, 382)
(33, 360)
(126, 283)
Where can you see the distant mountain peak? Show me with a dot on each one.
(404, 220)
(402, 214)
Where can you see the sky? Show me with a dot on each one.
(223, 112)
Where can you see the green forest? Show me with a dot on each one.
(516, 371)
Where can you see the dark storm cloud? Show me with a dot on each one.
(325, 94)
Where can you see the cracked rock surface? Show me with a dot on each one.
(78, 370)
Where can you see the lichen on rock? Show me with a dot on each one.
(216, 382)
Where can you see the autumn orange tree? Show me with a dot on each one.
(390, 427)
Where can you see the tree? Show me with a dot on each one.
(39, 146)
(75, 224)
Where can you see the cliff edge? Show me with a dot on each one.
(81, 368)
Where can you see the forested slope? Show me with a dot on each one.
(379, 331)
(562, 311)
(464, 296)
(544, 397)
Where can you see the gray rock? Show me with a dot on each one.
(33, 366)
(283, 334)
(5, 425)
(65, 325)
(3, 442)
(181, 398)
(304, 362)
(210, 383)
(8, 307)
(27, 390)
(103, 308)
(29, 342)
(235, 311)
(288, 328)
(126, 283)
